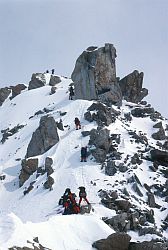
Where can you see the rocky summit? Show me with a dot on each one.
(117, 149)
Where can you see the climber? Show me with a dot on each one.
(82, 195)
(69, 203)
(71, 93)
(47, 71)
(52, 71)
(83, 154)
(77, 123)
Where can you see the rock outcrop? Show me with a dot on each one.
(131, 87)
(16, 90)
(37, 80)
(44, 137)
(160, 134)
(160, 156)
(94, 75)
(28, 168)
(121, 241)
(102, 114)
(116, 241)
(54, 80)
(4, 93)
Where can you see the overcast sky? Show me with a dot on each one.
(36, 35)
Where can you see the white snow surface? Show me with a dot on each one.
(35, 215)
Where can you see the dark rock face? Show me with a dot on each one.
(131, 87)
(48, 184)
(137, 190)
(38, 80)
(94, 75)
(43, 138)
(110, 168)
(99, 155)
(53, 90)
(160, 156)
(28, 168)
(48, 166)
(116, 241)
(147, 246)
(54, 80)
(9, 132)
(4, 93)
(142, 112)
(101, 140)
(102, 115)
(119, 222)
(35, 245)
(151, 199)
(16, 90)
(160, 134)
(123, 205)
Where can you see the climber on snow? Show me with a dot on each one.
(83, 154)
(82, 195)
(69, 203)
(71, 93)
(77, 123)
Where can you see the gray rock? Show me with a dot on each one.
(151, 199)
(37, 80)
(160, 134)
(16, 90)
(99, 154)
(102, 115)
(123, 205)
(54, 80)
(100, 139)
(4, 93)
(118, 222)
(48, 166)
(88, 116)
(135, 159)
(165, 145)
(147, 245)
(49, 183)
(125, 191)
(160, 156)
(116, 241)
(110, 168)
(134, 220)
(137, 190)
(158, 125)
(128, 116)
(28, 168)
(131, 87)
(44, 137)
(53, 90)
(85, 209)
(60, 125)
(122, 168)
(85, 133)
(94, 76)
(147, 230)
(6, 133)
(142, 112)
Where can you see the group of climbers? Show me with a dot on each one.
(68, 201)
(52, 71)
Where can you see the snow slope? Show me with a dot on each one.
(24, 217)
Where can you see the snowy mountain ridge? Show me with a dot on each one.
(24, 217)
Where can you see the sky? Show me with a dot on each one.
(36, 35)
